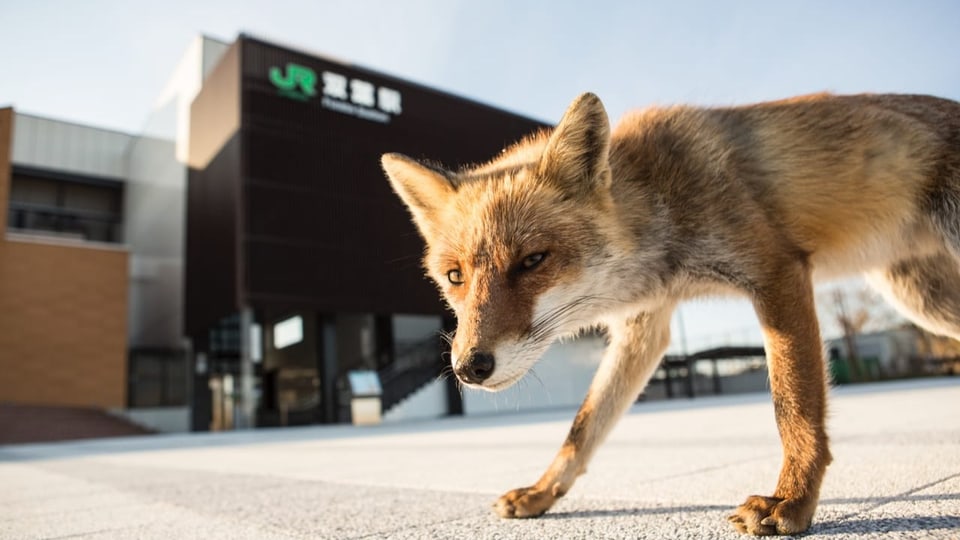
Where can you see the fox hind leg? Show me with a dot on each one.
(925, 289)
(943, 205)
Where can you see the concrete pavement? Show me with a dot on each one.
(669, 470)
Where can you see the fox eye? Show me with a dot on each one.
(531, 261)
(455, 277)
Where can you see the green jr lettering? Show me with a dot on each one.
(296, 76)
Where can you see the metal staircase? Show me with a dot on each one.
(413, 367)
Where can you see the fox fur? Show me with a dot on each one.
(582, 226)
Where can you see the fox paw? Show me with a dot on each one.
(527, 502)
(764, 516)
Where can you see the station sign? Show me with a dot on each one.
(337, 92)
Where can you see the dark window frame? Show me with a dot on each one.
(59, 219)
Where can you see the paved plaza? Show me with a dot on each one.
(670, 470)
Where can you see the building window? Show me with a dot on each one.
(65, 206)
(158, 378)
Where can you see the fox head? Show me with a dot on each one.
(518, 246)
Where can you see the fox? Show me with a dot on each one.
(584, 226)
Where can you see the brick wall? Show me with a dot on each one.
(63, 315)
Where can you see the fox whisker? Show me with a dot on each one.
(545, 326)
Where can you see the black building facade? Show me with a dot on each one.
(301, 264)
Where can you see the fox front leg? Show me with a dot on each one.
(798, 384)
(636, 346)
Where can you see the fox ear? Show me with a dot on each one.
(575, 158)
(423, 189)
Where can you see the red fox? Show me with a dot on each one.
(579, 226)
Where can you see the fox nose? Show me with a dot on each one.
(476, 367)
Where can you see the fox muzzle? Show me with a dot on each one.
(475, 367)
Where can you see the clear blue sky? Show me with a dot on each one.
(104, 62)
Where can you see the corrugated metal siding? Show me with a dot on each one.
(50, 144)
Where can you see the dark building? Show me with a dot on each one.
(301, 264)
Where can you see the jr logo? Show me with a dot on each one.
(299, 82)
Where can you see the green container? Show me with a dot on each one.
(840, 371)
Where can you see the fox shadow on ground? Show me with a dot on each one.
(859, 521)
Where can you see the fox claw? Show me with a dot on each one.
(528, 502)
(764, 516)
